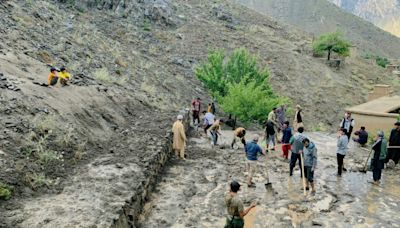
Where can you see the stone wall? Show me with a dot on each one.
(129, 214)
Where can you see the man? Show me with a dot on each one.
(270, 135)
(394, 141)
(341, 149)
(213, 108)
(209, 119)
(64, 76)
(310, 163)
(215, 131)
(239, 134)
(52, 78)
(252, 150)
(286, 135)
(378, 161)
(179, 139)
(362, 136)
(348, 124)
(196, 105)
(298, 118)
(280, 115)
(235, 207)
(297, 145)
(272, 117)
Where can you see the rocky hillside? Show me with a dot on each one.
(384, 13)
(321, 16)
(133, 64)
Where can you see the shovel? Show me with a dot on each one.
(364, 170)
(267, 185)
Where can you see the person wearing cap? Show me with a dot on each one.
(298, 118)
(179, 139)
(394, 141)
(310, 162)
(348, 124)
(238, 135)
(252, 150)
(196, 107)
(64, 76)
(378, 160)
(235, 208)
(341, 149)
(52, 78)
(215, 131)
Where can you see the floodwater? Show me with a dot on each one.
(190, 193)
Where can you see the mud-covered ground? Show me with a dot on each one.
(190, 193)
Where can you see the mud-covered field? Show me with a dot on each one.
(190, 193)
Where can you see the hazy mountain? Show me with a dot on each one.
(383, 13)
(321, 16)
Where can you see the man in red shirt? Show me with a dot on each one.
(196, 110)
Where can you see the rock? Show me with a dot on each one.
(222, 14)
(160, 11)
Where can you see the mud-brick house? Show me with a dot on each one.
(380, 112)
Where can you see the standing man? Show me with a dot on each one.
(270, 135)
(213, 108)
(239, 134)
(236, 211)
(179, 140)
(298, 118)
(280, 115)
(272, 117)
(378, 161)
(341, 149)
(215, 131)
(209, 119)
(252, 150)
(286, 135)
(297, 145)
(196, 106)
(310, 163)
(348, 124)
(394, 141)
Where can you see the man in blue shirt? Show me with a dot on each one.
(252, 151)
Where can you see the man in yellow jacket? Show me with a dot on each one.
(64, 76)
(179, 140)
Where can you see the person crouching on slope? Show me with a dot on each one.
(52, 78)
(64, 76)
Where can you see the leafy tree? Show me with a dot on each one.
(332, 42)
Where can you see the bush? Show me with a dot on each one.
(382, 61)
(332, 42)
(240, 86)
(5, 191)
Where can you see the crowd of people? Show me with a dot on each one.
(296, 147)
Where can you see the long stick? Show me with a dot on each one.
(303, 176)
(366, 162)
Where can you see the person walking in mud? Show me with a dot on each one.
(341, 149)
(235, 208)
(179, 138)
(394, 141)
(252, 150)
(280, 115)
(298, 118)
(348, 124)
(238, 135)
(196, 107)
(286, 136)
(297, 146)
(215, 131)
(310, 163)
(270, 135)
(272, 118)
(209, 119)
(378, 160)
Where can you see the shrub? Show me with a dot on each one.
(39, 180)
(240, 86)
(102, 75)
(332, 42)
(380, 61)
(5, 191)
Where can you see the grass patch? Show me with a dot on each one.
(5, 191)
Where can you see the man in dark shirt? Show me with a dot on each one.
(286, 135)
(394, 141)
(362, 138)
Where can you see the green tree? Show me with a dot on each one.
(332, 42)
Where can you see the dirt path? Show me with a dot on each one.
(190, 194)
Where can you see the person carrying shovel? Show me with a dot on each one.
(310, 163)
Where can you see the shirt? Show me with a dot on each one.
(215, 126)
(196, 105)
(252, 150)
(297, 142)
(342, 145)
(286, 135)
(239, 132)
(209, 119)
(64, 75)
(51, 76)
(233, 204)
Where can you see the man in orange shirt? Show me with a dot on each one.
(52, 78)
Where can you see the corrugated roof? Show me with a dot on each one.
(380, 105)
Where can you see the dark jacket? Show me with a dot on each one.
(362, 136)
(394, 139)
(286, 135)
(270, 128)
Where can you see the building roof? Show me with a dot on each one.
(380, 106)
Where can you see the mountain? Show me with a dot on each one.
(321, 16)
(383, 13)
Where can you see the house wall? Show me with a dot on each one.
(374, 122)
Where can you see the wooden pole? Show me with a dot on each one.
(303, 176)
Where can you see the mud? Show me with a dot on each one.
(190, 193)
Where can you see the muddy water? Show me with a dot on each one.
(190, 193)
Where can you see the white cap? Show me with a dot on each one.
(180, 117)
